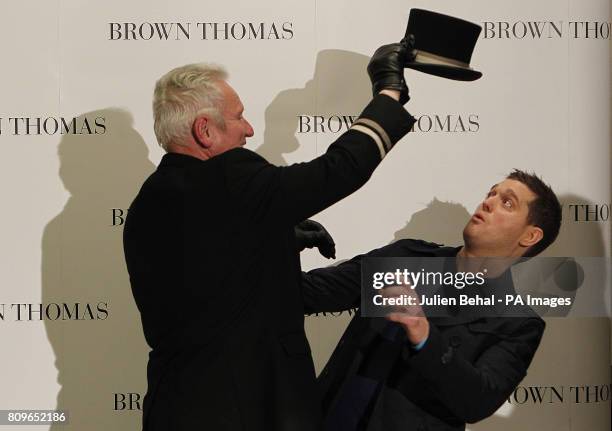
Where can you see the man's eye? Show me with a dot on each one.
(508, 203)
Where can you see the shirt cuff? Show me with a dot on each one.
(419, 346)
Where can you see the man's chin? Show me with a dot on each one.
(469, 227)
(471, 232)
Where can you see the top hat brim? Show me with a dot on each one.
(450, 72)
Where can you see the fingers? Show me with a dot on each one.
(410, 314)
(326, 245)
(404, 319)
(416, 328)
(406, 300)
(328, 250)
(310, 233)
(408, 43)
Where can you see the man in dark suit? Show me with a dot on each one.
(212, 258)
(413, 372)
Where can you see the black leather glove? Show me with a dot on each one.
(309, 234)
(386, 67)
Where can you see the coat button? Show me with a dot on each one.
(446, 357)
(455, 341)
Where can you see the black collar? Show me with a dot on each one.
(178, 159)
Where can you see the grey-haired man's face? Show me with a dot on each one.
(237, 128)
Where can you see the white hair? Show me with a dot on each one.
(181, 95)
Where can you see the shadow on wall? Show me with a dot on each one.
(440, 222)
(564, 276)
(577, 237)
(97, 340)
(340, 86)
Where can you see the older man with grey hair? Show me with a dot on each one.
(210, 248)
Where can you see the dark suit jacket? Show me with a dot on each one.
(211, 254)
(464, 373)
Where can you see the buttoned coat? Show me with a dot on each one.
(467, 368)
(211, 254)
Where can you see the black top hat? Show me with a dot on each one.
(443, 45)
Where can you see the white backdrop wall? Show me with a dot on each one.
(71, 335)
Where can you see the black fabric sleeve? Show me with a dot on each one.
(287, 195)
(338, 288)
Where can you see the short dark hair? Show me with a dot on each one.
(544, 210)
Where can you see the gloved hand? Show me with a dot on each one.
(386, 67)
(309, 234)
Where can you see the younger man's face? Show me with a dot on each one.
(499, 225)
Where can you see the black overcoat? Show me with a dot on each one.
(466, 370)
(211, 255)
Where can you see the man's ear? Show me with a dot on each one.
(201, 131)
(531, 237)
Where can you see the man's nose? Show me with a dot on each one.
(487, 204)
(249, 129)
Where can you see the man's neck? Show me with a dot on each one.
(469, 260)
(465, 252)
